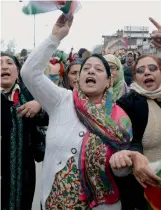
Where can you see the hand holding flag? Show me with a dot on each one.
(62, 27)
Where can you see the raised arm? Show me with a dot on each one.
(43, 90)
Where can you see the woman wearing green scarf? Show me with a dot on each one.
(119, 84)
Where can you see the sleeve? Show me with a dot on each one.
(42, 88)
(42, 118)
(126, 102)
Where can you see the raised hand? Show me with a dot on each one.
(62, 27)
(156, 35)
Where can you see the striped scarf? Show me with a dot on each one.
(16, 148)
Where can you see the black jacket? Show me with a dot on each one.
(128, 74)
(25, 157)
(136, 107)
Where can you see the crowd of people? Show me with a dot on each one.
(92, 119)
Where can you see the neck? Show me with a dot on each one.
(95, 99)
(7, 89)
(130, 64)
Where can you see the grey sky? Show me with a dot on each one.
(96, 18)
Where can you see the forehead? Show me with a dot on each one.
(5, 58)
(75, 67)
(94, 60)
(146, 61)
(111, 63)
(130, 55)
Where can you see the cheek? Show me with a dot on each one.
(81, 82)
(104, 84)
(115, 74)
(14, 74)
(158, 77)
(70, 78)
(139, 78)
(81, 78)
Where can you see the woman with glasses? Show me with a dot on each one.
(143, 106)
(119, 85)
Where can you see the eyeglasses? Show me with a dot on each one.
(113, 68)
(151, 67)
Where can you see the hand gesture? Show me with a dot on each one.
(29, 109)
(54, 69)
(156, 35)
(142, 172)
(121, 159)
(62, 27)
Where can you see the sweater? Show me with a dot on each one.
(64, 134)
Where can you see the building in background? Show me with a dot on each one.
(132, 37)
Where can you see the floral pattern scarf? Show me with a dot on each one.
(109, 130)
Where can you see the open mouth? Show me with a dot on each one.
(5, 74)
(148, 81)
(90, 80)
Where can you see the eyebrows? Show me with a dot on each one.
(6, 60)
(74, 70)
(113, 65)
(147, 65)
(90, 64)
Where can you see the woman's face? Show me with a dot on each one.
(114, 71)
(75, 56)
(93, 79)
(72, 75)
(9, 72)
(148, 74)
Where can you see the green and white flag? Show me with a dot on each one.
(68, 7)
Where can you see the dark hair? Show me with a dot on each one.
(105, 63)
(65, 81)
(15, 60)
(81, 51)
(154, 57)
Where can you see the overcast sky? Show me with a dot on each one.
(94, 19)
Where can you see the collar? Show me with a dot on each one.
(14, 88)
